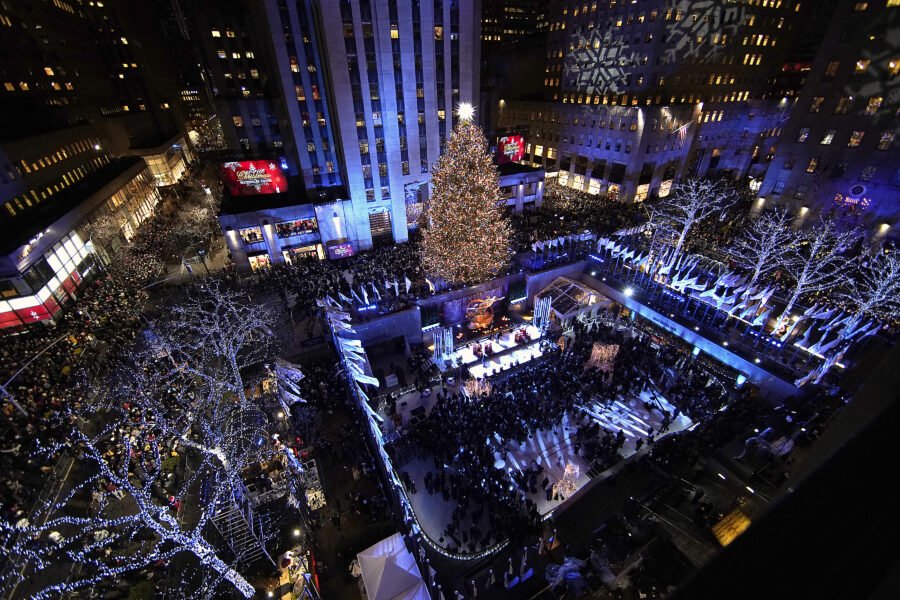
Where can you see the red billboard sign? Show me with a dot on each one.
(510, 148)
(253, 178)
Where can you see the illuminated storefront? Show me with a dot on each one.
(167, 162)
(53, 279)
(268, 220)
(258, 260)
(295, 253)
(39, 274)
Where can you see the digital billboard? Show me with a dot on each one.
(510, 148)
(253, 178)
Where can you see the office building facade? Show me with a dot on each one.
(839, 151)
(353, 93)
(91, 99)
(638, 95)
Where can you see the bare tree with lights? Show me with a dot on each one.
(130, 524)
(692, 202)
(760, 247)
(214, 332)
(185, 392)
(466, 236)
(817, 262)
(105, 230)
(874, 288)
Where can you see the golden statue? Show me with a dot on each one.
(480, 313)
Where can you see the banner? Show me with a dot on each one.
(253, 178)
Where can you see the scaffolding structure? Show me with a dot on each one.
(241, 526)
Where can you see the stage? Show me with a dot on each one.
(507, 352)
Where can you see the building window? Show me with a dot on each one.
(893, 67)
(855, 139)
(828, 137)
(804, 133)
(843, 105)
(887, 138)
(395, 32)
(251, 235)
(813, 163)
(238, 120)
(873, 105)
(801, 191)
(816, 104)
(298, 227)
(861, 66)
(831, 69)
(222, 54)
(867, 174)
(216, 33)
(779, 187)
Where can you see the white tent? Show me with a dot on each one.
(390, 572)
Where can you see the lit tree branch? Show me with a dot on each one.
(816, 262)
(692, 202)
(760, 246)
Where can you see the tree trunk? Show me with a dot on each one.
(786, 313)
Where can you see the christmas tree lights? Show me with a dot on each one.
(466, 237)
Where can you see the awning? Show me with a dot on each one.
(390, 572)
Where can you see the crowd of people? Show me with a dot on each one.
(462, 436)
(104, 319)
(565, 211)
(379, 277)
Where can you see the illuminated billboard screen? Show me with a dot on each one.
(510, 148)
(253, 178)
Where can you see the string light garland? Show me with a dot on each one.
(466, 236)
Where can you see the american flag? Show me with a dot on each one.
(682, 134)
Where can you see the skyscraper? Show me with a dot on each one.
(839, 149)
(353, 93)
(91, 130)
(403, 66)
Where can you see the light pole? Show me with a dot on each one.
(25, 366)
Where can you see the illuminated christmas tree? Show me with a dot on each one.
(466, 236)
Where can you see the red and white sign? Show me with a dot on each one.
(510, 148)
(253, 178)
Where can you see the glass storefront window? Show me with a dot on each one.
(251, 235)
(298, 227)
(259, 261)
(300, 253)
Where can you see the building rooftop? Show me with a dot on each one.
(17, 232)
